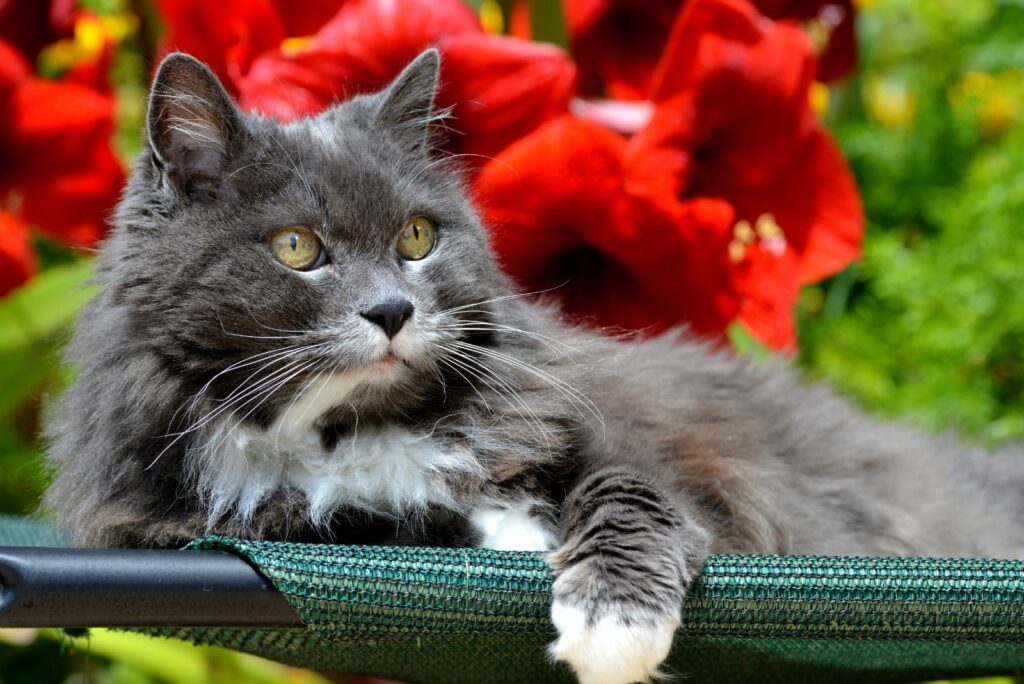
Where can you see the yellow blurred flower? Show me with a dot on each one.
(996, 97)
(888, 101)
(819, 98)
(92, 33)
(491, 17)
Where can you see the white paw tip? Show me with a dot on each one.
(609, 651)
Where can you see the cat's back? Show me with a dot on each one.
(784, 465)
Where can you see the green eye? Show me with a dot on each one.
(297, 247)
(417, 238)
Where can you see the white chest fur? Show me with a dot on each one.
(388, 470)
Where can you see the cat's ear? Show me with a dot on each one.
(190, 126)
(406, 106)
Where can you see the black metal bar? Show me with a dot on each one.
(135, 588)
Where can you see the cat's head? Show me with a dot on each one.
(260, 259)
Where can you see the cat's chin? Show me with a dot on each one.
(389, 364)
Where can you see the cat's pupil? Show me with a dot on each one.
(293, 240)
(415, 232)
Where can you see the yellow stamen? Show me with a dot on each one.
(743, 232)
(768, 228)
(491, 17)
(737, 250)
(295, 45)
(819, 97)
(819, 33)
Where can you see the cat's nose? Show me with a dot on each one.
(390, 315)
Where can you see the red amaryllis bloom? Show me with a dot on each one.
(498, 88)
(226, 35)
(17, 262)
(565, 214)
(830, 23)
(728, 199)
(732, 119)
(57, 169)
(618, 43)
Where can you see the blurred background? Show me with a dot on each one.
(927, 327)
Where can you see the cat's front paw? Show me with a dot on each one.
(614, 648)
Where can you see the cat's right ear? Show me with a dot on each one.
(190, 126)
(406, 105)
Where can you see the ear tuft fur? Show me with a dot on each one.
(191, 126)
(406, 106)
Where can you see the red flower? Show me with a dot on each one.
(728, 199)
(563, 215)
(618, 43)
(17, 262)
(305, 18)
(830, 22)
(732, 120)
(58, 171)
(499, 88)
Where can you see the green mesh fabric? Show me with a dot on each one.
(470, 615)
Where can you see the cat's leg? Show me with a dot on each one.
(628, 557)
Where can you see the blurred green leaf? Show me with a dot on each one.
(930, 325)
(174, 662)
(547, 21)
(44, 305)
(21, 372)
(23, 478)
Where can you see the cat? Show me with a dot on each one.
(301, 333)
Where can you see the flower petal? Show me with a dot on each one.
(305, 18)
(359, 50)
(836, 17)
(816, 204)
(227, 34)
(618, 42)
(498, 88)
(59, 168)
(739, 83)
(769, 285)
(17, 261)
(13, 69)
(501, 88)
(561, 216)
(733, 121)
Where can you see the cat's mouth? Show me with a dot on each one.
(385, 364)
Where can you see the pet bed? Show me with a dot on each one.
(470, 615)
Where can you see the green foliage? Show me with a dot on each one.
(930, 325)
(32, 320)
(113, 657)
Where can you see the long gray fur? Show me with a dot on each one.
(643, 456)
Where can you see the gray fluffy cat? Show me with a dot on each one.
(302, 334)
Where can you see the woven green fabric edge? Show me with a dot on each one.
(379, 592)
(469, 615)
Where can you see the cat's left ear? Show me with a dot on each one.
(191, 126)
(407, 104)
